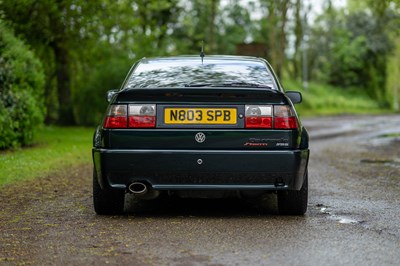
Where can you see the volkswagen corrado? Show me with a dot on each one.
(194, 127)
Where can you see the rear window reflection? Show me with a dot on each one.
(181, 74)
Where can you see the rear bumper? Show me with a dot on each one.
(202, 170)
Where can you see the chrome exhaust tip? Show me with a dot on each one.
(138, 188)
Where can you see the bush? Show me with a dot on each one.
(322, 99)
(21, 91)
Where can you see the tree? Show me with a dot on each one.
(235, 27)
(54, 29)
(298, 33)
(196, 25)
(154, 22)
(351, 50)
(276, 19)
(72, 36)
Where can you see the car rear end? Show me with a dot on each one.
(200, 142)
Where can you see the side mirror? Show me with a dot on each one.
(294, 96)
(110, 95)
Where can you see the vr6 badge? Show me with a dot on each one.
(256, 142)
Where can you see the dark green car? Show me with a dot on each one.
(197, 128)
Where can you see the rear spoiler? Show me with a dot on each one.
(201, 94)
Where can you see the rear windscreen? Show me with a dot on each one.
(175, 73)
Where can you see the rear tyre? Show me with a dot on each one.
(107, 202)
(293, 202)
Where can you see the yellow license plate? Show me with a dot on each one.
(203, 116)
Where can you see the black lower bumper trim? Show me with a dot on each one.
(169, 170)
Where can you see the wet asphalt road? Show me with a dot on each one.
(353, 214)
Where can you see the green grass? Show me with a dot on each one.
(321, 99)
(55, 148)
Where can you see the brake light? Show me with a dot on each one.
(284, 117)
(116, 117)
(285, 122)
(268, 116)
(131, 116)
(142, 116)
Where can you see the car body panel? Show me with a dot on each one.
(182, 169)
(226, 139)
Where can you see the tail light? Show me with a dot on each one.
(116, 117)
(284, 117)
(131, 116)
(268, 116)
(142, 116)
(258, 116)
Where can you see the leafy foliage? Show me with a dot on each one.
(350, 50)
(86, 47)
(70, 36)
(322, 99)
(93, 85)
(21, 91)
(393, 78)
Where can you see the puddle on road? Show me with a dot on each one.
(343, 220)
(383, 139)
(338, 218)
(392, 163)
(390, 140)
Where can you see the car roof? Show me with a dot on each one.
(206, 58)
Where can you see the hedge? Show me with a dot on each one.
(21, 91)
